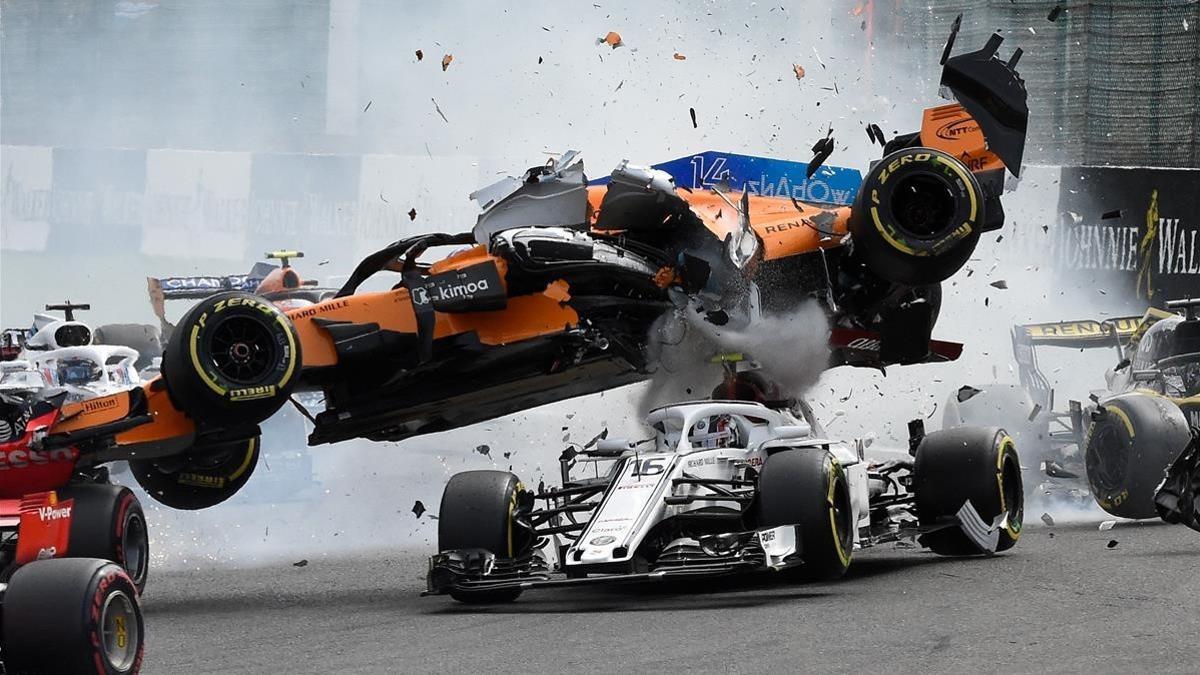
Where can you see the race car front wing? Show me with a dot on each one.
(772, 548)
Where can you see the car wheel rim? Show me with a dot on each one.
(242, 349)
(1105, 456)
(120, 631)
(923, 206)
(135, 548)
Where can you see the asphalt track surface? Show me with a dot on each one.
(1061, 601)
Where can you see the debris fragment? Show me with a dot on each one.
(1047, 520)
(420, 54)
(876, 134)
(692, 112)
(1001, 284)
(680, 57)
(1107, 525)
(1109, 215)
(965, 393)
(613, 39)
(300, 563)
(950, 40)
(368, 105)
(418, 508)
(1037, 408)
(412, 214)
(446, 61)
(822, 149)
(1112, 543)
(484, 450)
(539, 60)
(1055, 13)
(799, 70)
(439, 110)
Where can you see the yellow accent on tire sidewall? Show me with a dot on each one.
(962, 232)
(835, 472)
(1006, 443)
(249, 457)
(194, 347)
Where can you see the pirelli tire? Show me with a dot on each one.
(968, 464)
(917, 217)
(233, 359)
(808, 488)
(477, 513)
(204, 476)
(72, 615)
(1130, 442)
(107, 522)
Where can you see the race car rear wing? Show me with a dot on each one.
(1115, 333)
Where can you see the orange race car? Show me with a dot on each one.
(559, 288)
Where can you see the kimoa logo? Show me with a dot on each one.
(953, 130)
(424, 294)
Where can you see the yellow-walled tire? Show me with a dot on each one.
(917, 217)
(808, 487)
(1129, 444)
(976, 464)
(233, 359)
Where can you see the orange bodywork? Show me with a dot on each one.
(784, 229)
(951, 129)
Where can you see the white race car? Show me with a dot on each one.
(722, 487)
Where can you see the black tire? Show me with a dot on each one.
(917, 217)
(808, 488)
(142, 338)
(976, 464)
(72, 615)
(1129, 444)
(203, 477)
(234, 359)
(477, 512)
(107, 522)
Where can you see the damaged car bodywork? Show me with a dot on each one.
(559, 288)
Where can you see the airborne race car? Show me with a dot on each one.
(723, 487)
(1126, 435)
(559, 291)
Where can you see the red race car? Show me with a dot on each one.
(74, 553)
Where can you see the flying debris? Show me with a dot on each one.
(446, 61)
(799, 70)
(680, 57)
(418, 508)
(822, 149)
(420, 54)
(484, 450)
(613, 39)
(438, 108)
(300, 563)
(1055, 13)
(412, 214)
(1047, 520)
(692, 112)
(999, 283)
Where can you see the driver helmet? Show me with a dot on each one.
(78, 371)
(715, 431)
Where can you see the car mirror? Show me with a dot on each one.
(1148, 375)
(800, 430)
(611, 447)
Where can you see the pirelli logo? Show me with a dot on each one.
(252, 393)
(100, 404)
(201, 480)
